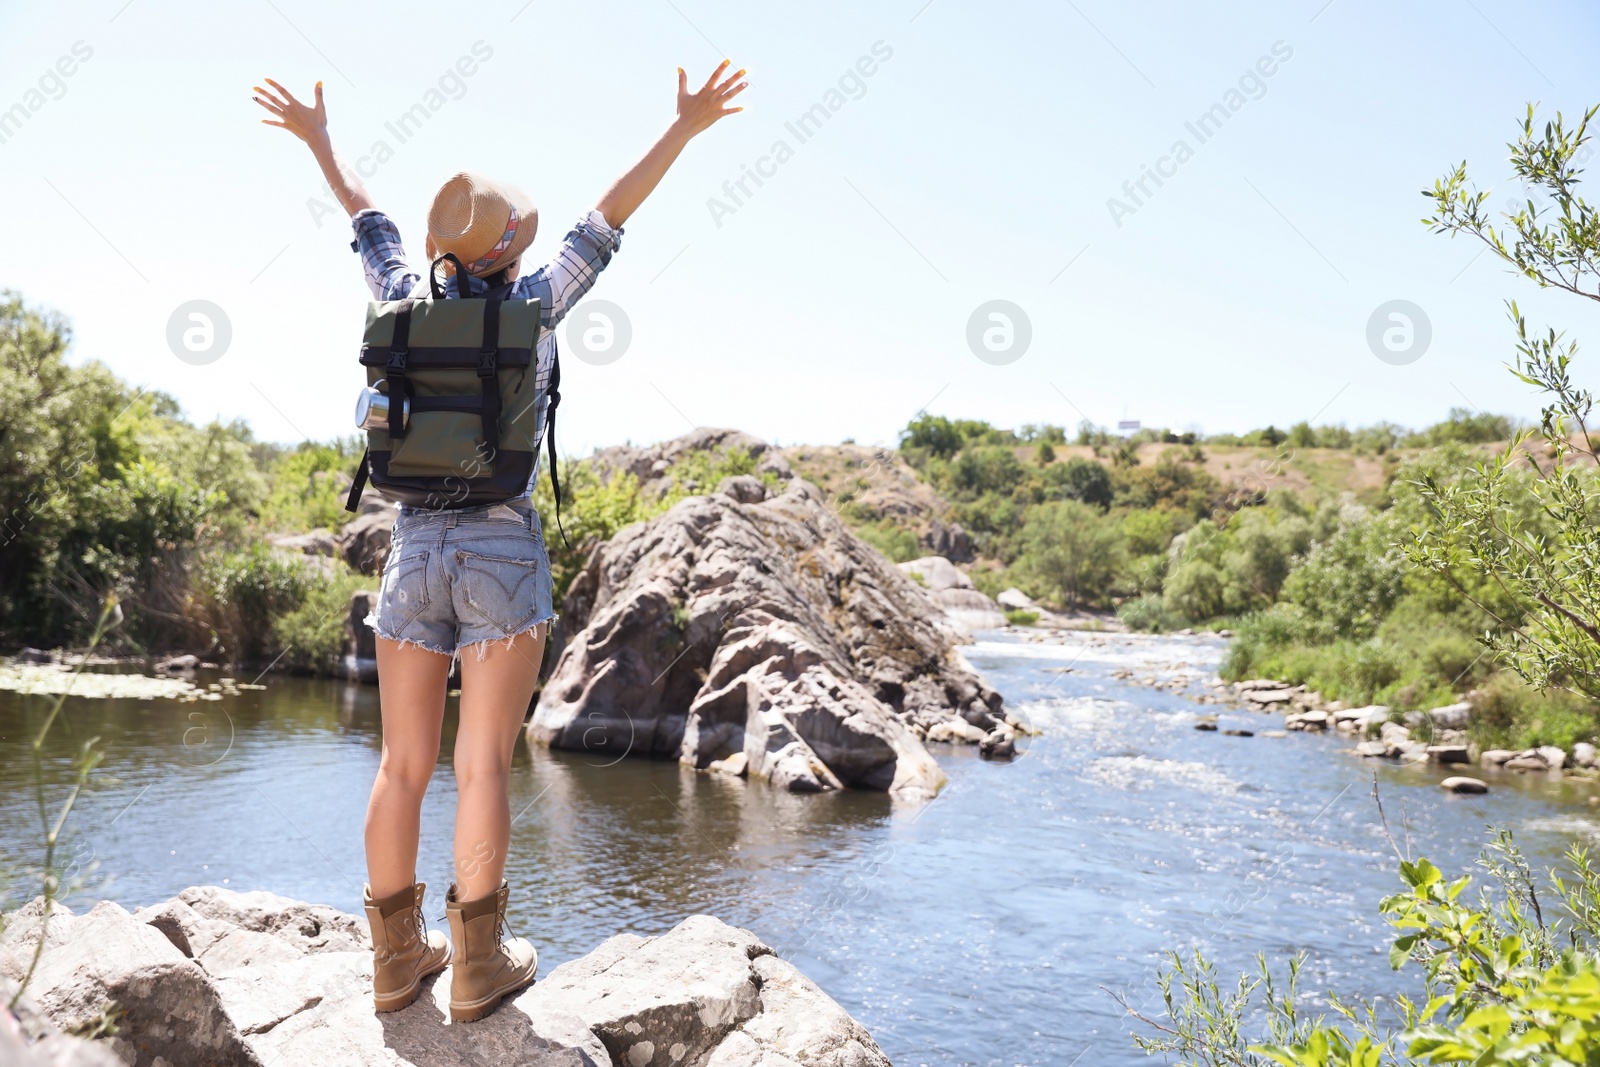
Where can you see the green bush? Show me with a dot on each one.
(1352, 580)
(1231, 569)
(1507, 980)
(1017, 617)
(592, 511)
(240, 595)
(309, 486)
(310, 637)
(895, 542)
(1082, 480)
(1509, 713)
(1072, 555)
(986, 469)
(1149, 614)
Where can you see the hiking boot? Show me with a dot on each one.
(404, 950)
(486, 968)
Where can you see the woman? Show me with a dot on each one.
(474, 579)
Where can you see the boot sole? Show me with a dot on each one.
(406, 997)
(470, 1011)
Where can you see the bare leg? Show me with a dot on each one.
(495, 692)
(411, 692)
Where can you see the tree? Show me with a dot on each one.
(935, 434)
(1072, 552)
(1082, 480)
(1545, 558)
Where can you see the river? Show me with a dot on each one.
(989, 927)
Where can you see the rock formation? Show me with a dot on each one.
(965, 607)
(756, 624)
(877, 484)
(364, 541)
(359, 658)
(252, 979)
(650, 464)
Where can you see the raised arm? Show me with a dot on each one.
(696, 112)
(310, 124)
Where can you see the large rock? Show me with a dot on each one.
(315, 543)
(1015, 599)
(765, 628)
(291, 983)
(170, 1012)
(29, 1039)
(652, 465)
(364, 541)
(360, 659)
(1449, 717)
(951, 588)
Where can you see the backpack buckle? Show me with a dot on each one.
(487, 358)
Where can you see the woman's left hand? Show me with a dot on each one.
(697, 111)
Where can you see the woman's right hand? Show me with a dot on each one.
(310, 124)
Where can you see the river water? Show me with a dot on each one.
(990, 927)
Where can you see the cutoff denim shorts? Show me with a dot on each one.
(459, 578)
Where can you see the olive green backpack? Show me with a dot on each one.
(461, 379)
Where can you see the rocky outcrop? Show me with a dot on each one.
(651, 465)
(314, 543)
(359, 660)
(951, 588)
(364, 541)
(765, 628)
(878, 485)
(253, 979)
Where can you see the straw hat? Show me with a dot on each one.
(485, 225)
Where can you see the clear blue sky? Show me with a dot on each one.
(975, 163)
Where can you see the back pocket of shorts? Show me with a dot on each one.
(403, 594)
(502, 591)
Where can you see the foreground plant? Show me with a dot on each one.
(53, 885)
(1544, 560)
(1502, 982)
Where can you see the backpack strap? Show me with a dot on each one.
(488, 375)
(553, 401)
(359, 483)
(395, 370)
(461, 277)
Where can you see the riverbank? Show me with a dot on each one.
(1441, 737)
(251, 979)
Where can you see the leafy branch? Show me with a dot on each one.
(53, 822)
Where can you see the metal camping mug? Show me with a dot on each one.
(372, 410)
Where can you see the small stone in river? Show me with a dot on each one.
(735, 765)
(1239, 733)
(1449, 754)
(1460, 784)
(1274, 733)
(1000, 744)
(1552, 756)
(1372, 748)
(1205, 724)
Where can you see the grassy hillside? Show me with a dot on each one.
(1295, 539)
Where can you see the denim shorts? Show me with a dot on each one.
(464, 577)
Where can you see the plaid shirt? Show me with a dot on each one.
(558, 285)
